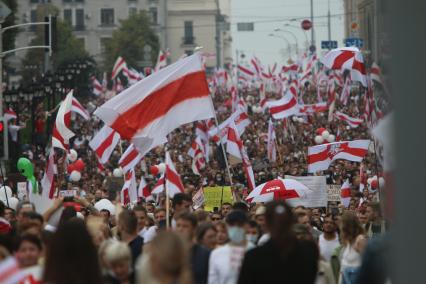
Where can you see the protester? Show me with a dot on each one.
(119, 261)
(127, 229)
(207, 235)
(329, 239)
(29, 250)
(376, 225)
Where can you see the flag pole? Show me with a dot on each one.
(220, 141)
(166, 190)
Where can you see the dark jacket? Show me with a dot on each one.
(266, 264)
(200, 264)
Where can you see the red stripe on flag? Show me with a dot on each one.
(345, 192)
(342, 58)
(132, 155)
(287, 106)
(104, 145)
(173, 178)
(160, 102)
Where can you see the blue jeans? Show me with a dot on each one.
(349, 275)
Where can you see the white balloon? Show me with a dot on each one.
(301, 120)
(72, 156)
(105, 204)
(162, 167)
(319, 139)
(325, 134)
(348, 127)
(381, 182)
(13, 203)
(117, 172)
(331, 138)
(295, 118)
(75, 176)
(5, 191)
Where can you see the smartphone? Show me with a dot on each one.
(67, 193)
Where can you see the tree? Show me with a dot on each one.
(129, 41)
(69, 48)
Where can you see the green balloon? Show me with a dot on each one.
(25, 167)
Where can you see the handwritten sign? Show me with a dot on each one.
(215, 196)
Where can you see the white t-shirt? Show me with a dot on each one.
(149, 234)
(13, 130)
(225, 263)
(327, 247)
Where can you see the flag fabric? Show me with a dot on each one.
(345, 193)
(150, 109)
(271, 146)
(97, 87)
(129, 192)
(245, 72)
(241, 120)
(48, 180)
(284, 107)
(202, 129)
(143, 190)
(162, 60)
(9, 114)
(130, 158)
(159, 185)
(351, 121)
(173, 182)
(61, 129)
(132, 75)
(313, 108)
(119, 65)
(346, 91)
(321, 156)
(118, 86)
(198, 154)
(10, 273)
(375, 73)
(78, 108)
(104, 143)
(198, 199)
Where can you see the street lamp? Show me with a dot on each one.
(299, 28)
(293, 35)
(283, 38)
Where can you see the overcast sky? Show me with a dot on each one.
(270, 14)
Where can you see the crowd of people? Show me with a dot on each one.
(240, 242)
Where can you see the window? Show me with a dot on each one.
(68, 16)
(154, 15)
(33, 18)
(133, 11)
(103, 43)
(189, 33)
(34, 1)
(79, 19)
(107, 17)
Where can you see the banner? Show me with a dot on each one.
(318, 196)
(215, 196)
(333, 192)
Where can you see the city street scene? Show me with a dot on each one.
(211, 141)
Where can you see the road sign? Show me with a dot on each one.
(4, 12)
(312, 48)
(306, 25)
(328, 44)
(353, 41)
(245, 27)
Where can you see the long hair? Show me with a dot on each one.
(279, 221)
(350, 228)
(71, 256)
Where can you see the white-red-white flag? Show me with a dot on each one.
(284, 107)
(345, 193)
(78, 108)
(130, 158)
(351, 121)
(321, 156)
(375, 73)
(129, 192)
(162, 60)
(97, 87)
(119, 65)
(313, 108)
(61, 129)
(104, 143)
(241, 120)
(10, 273)
(132, 75)
(198, 154)
(271, 145)
(143, 190)
(150, 109)
(9, 114)
(173, 182)
(202, 129)
(48, 180)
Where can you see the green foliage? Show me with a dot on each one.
(129, 40)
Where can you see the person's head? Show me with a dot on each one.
(279, 223)
(373, 211)
(127, 223)
(350, 228)
(329, 225)
(206, 235)
(226, 208)
(260, 217)
(303, 218)
(23, 206)
(29, 250)
(119, 259)
(71, 250)
(186, 223)
(302, 232)
(240, 206)
(32, 223)
(105, 214)
(215, 217)
(98, 195)
(362, 216)
(160, 215)
(141, 215)
(68, 213)
(222, 233)
(236, 222)
(252, 231)
(181, 202)
(150, 208)
(169, 259)
(9, 214)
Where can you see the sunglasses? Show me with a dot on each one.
(215, 219)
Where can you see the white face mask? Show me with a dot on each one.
(251, 238)
(236, 235)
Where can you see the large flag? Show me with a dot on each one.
(345, 193)
(130, 158)
(150, 109)
(351, 121)
(48, 180)
(78, 108)
(10, 273)
(271, 146)
(104, 143)
(313, 108)
(129, 192)
(61, 129)
(321, 156)
(143, 190)
(119, 65)
(284, 107)
(173, 182)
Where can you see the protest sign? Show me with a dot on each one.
(215, 196)
(333, 193)
(318, 195)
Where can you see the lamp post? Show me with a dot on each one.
(293, 35)
(285, 39)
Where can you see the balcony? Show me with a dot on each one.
(188, 40)
(79, 27)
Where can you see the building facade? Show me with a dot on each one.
(181, 25)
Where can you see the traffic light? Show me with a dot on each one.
(50, 33)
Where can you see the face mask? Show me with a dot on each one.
(251, 238)
(236, 235)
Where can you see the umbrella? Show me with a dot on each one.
(284, 189)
